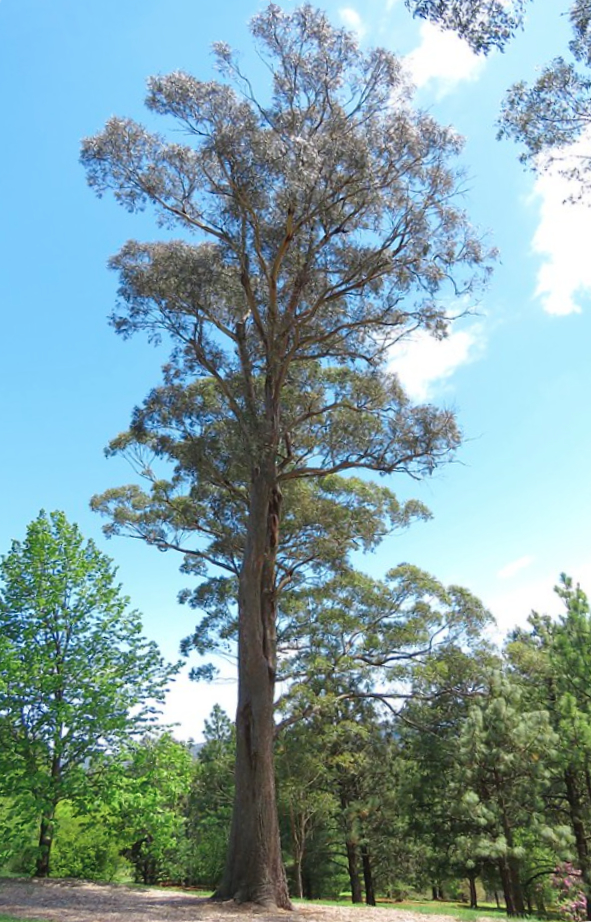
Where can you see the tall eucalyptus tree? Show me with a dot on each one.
(328, 227)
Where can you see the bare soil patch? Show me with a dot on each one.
(79, 901)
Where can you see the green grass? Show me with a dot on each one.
(5, 918)
(456, 910)
(459, 911)
(444, 908)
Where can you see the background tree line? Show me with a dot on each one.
(411, 755)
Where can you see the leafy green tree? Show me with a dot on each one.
(87, 847)
(305, 798)
(17, 838)
(505, 754)
(209, 806)
(553, 658)
(355, 637)
(329, 228)
(149, 807)
(353, 646)
(444, 689)
(78, 676)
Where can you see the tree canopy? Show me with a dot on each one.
(78, 677)
(328, 227)
(551, 118)
(484, 24)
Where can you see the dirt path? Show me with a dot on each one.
(78, 901)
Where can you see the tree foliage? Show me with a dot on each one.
(484, 24)
(353, 637)
(149, 806)
(328, 227)
(78, 676)
(551, 118)
(209, 806)
(553, 658)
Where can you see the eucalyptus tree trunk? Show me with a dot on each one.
(254, 868)
(298, 880)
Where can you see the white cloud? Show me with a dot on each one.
(562, 239)
(189, 704)
(515, 566)
(352, 20)
(512, 606)
(423, 361)
(442, 58)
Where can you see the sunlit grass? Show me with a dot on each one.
(5, 918)
(459, 911)
(456, 910)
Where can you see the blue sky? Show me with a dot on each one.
(509, 515)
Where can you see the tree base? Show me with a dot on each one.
(242, 900)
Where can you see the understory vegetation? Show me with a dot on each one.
(474, 788)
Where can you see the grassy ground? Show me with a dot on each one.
(4, 918)
(457, 910)
(460, 911)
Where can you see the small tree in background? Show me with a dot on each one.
(209, 806)
(149, 807)
(78, 677)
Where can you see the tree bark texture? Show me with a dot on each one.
(254, 868)
(507, 888)
(370, 894)
(46, 829)
(353, 868)
(297, 876)
(473, 894)
(512, 889)
(47, 824)
(510, 872)
(518, 896)
(298, 838)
